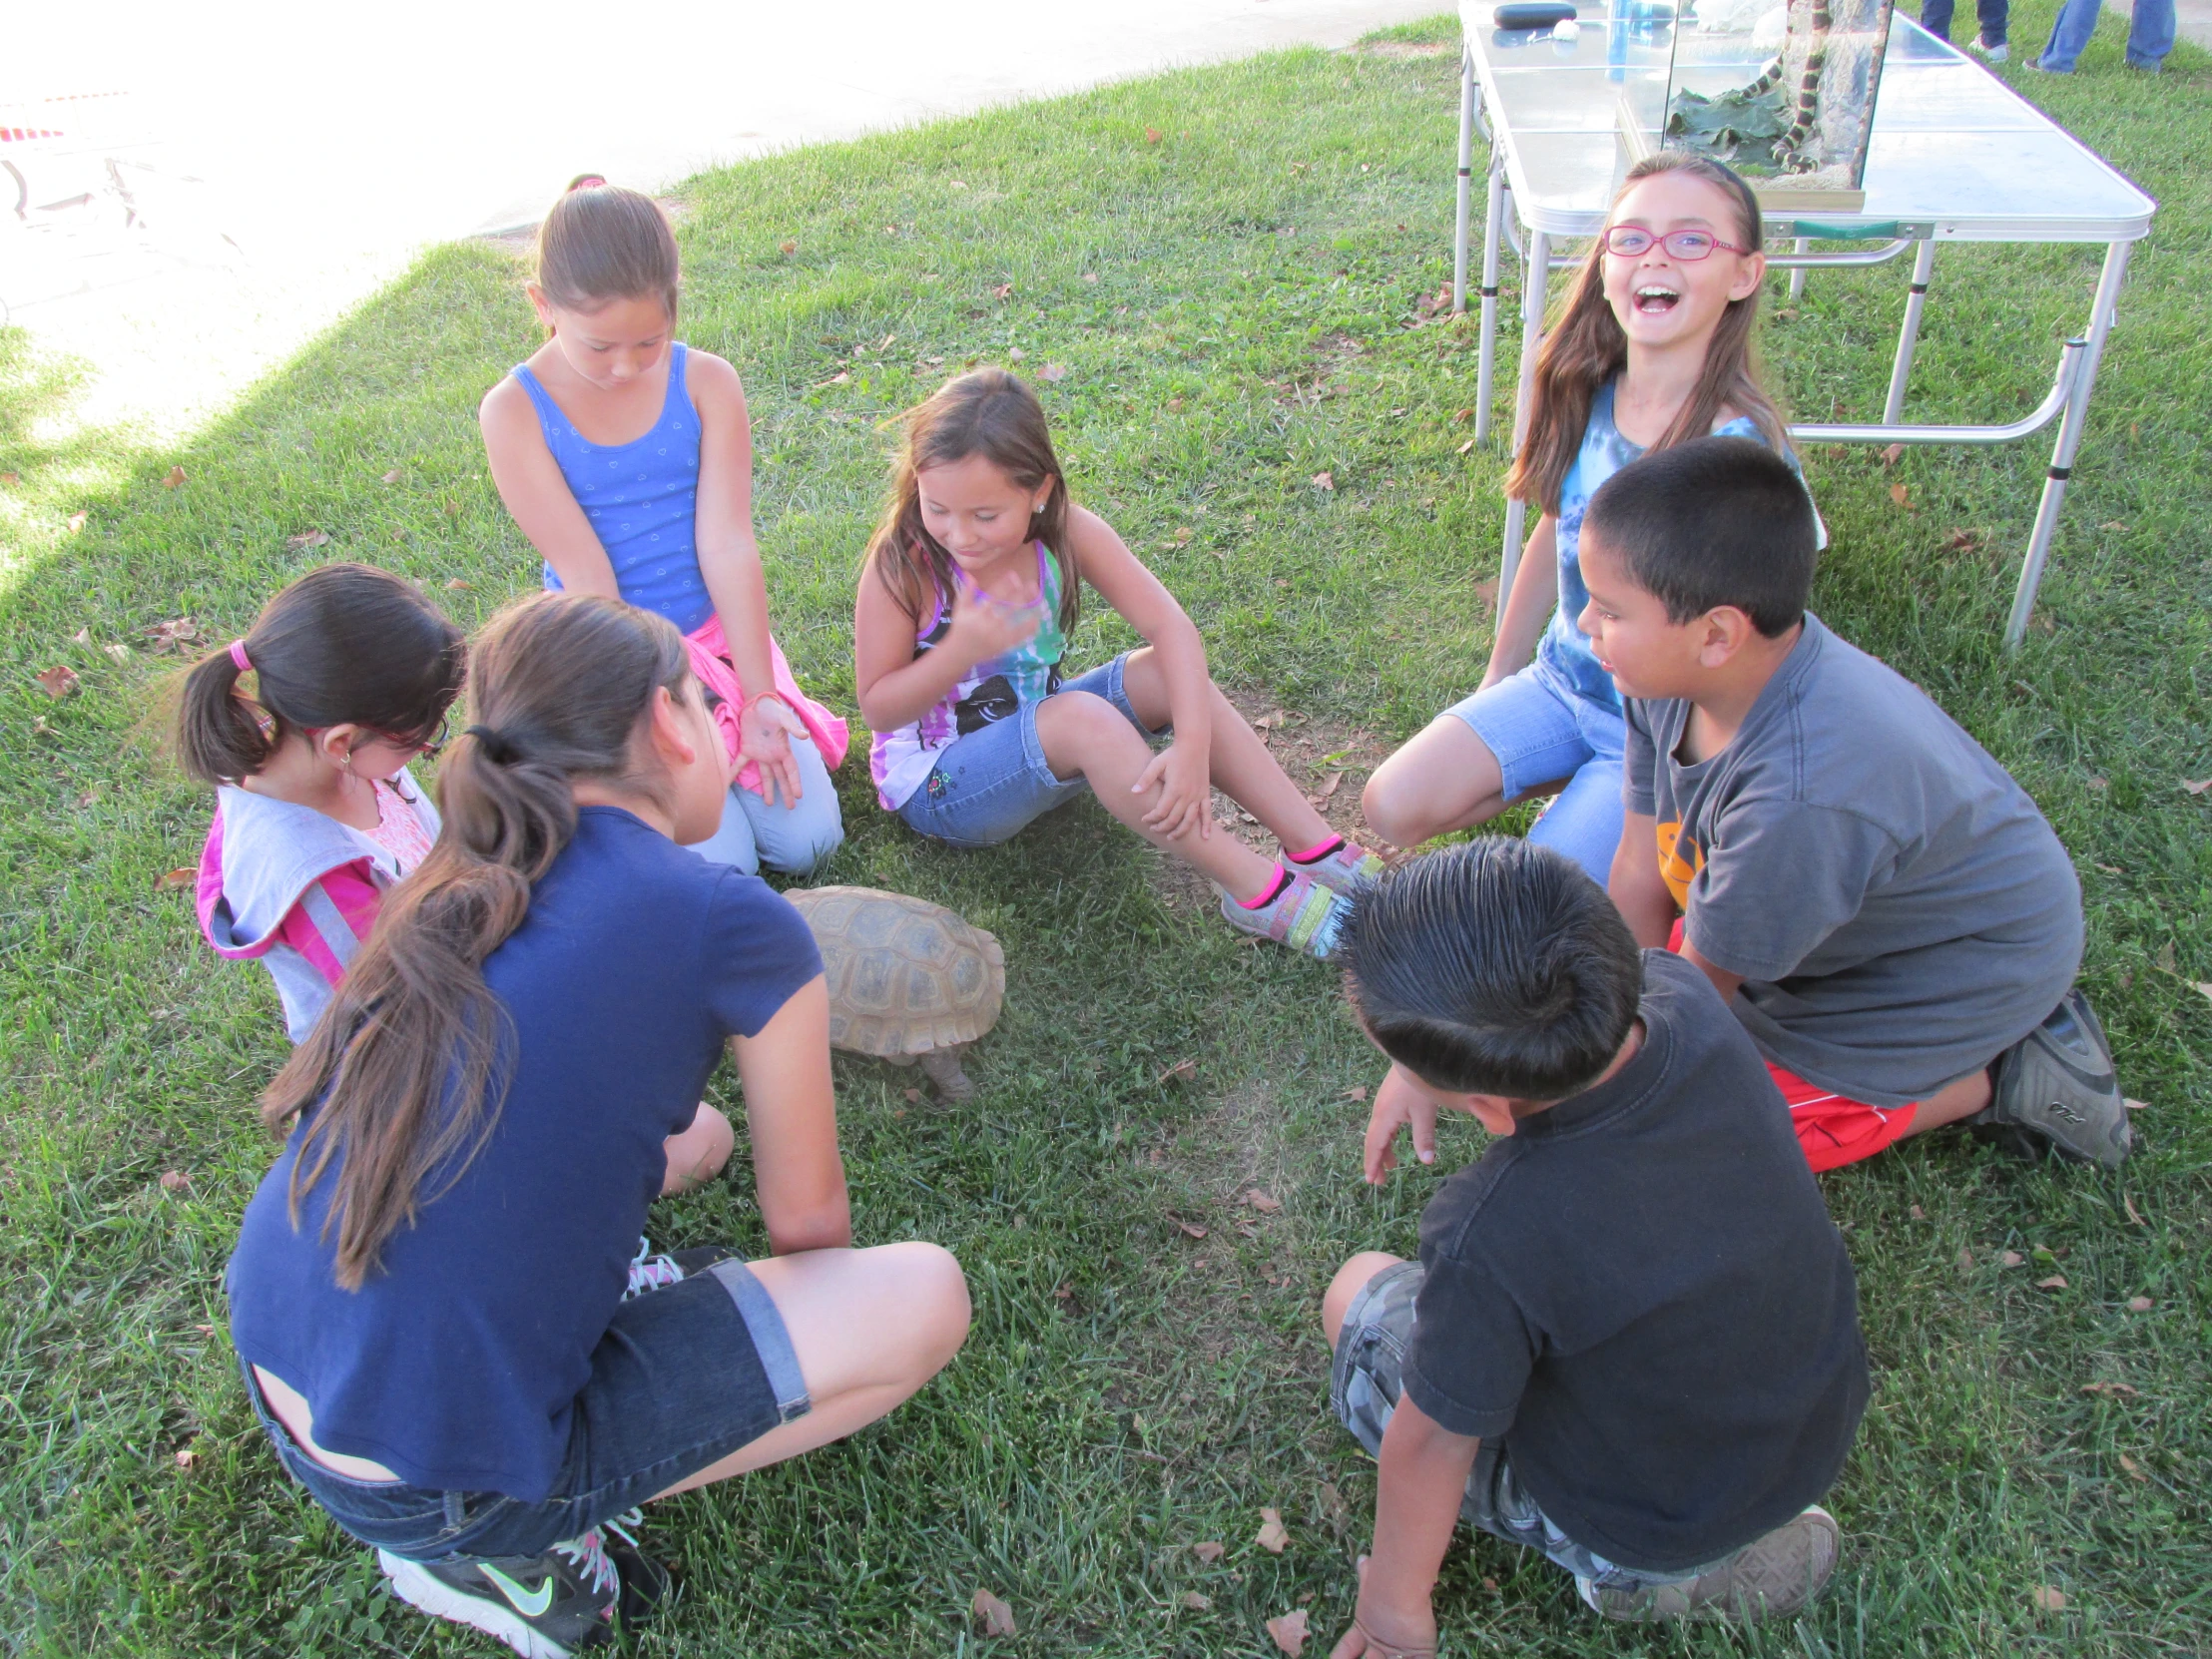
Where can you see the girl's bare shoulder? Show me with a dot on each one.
(711, 377)
(507, 408)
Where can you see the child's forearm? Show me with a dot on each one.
(1523, 611)
(1423, 1475)
(1637, 889)
(739, 588)
(1181, 653)
(904, 695)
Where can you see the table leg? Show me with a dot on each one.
(1909, 338)
(2070, 427)
(1464, 185)
(1485, 374)
(1797, 272)
(1535, 279)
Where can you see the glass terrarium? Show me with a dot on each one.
(1783, 91)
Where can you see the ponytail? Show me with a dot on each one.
(405, 1056)
(346, 644)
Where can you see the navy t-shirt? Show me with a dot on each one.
(456, 1364)
(1641, 1292)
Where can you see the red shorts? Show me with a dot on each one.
(1834, 1129)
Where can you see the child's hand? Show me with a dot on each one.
(1400, 1103)
(764, 733)
(1185, 779)
(985, 627)
(1386, 1633)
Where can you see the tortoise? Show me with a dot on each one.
(910, 981)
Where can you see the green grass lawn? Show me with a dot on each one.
(1233, 298)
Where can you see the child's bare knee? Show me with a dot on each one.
(935, 1290)
(1075, 728)
(1344, 1288)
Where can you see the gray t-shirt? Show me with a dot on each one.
(1900, 910)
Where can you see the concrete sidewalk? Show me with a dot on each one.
(308, 153)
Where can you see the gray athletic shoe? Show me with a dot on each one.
(2058, 1082)
(1768, 1578)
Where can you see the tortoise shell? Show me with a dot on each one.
(905, 976)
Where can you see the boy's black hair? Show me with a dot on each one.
(1494, 967)
(1715, 522)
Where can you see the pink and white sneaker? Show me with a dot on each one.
(1304, 915)
(1345, 868)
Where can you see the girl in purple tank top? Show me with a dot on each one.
(627, 459)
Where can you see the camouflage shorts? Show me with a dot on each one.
(1363, 1388)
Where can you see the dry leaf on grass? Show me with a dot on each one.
(307, 538)
(456, 585)
(57, 681)
(11, 479)
(2013, 1258)
(1180, 1072)
(1190, 1230)
(2048, 1599)
(392, 477)
(1891, 456)
(912, 1097)
(2136, 1105)
(117, 651)
(1003, 291)
(2202, 988)
(174, 479)
(175, 1180)
(1153, 135)
(2128, 1204)
(1288, 1632)
(1324, 480)
(1090, 275)
(2111, 1391)
(1052, 372)
(2139, 1303)
(2196, 786)
(1459, 417)
(1966, 1259)
(1330, 785)
(2056, 1282)
(1210, 1551)
(172, 635)
(1902, 496)
(1917, 1213)
(1015, 353)
(1263, 1201)
(787, 247)
(77, 522)
(2133, 1468)
(1196, 1602)
(1272, 1535)
(1358, 1091)
(187, 1458)
(1465, 448)
(170, 880)
(997, 1618)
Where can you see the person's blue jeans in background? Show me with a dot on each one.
(2150, 35)
(1992, 15)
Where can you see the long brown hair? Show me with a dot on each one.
(403, 1058)
(345, 643)
(1585, 348)
(602, 242)
(990, 414)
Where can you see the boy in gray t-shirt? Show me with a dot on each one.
(1888, 915)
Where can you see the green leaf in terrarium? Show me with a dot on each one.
(1730, 120)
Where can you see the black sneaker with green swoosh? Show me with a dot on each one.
(543, 1606)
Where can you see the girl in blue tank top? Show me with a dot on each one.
(627, 459)
(1653, 347)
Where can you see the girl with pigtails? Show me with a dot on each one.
(428, 1291)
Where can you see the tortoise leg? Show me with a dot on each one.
(943, 1067)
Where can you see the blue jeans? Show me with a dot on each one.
(794, 836)
(1990, 14)
(1364, 1382)
(2150, 34)
(989, 784)
(684, 1377)
(1541, 732)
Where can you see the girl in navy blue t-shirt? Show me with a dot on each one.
(427, 1294)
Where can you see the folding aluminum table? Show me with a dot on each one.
(1956, 156)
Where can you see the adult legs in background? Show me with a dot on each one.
(868, 1326)
(1995, 19)
(792, 837)
(1935, 17)
(2150, 35)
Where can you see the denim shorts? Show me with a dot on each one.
(683, 1377)
(1364, 1382)
(991, 783)
(1543, 733)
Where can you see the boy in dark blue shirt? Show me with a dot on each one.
(1631, 1341)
